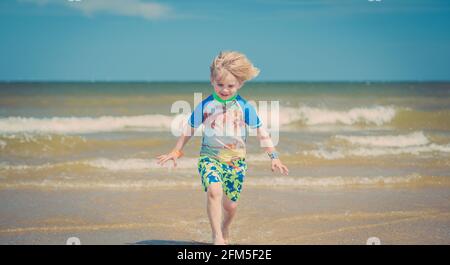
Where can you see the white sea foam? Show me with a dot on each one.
(325, 154)
(339, 153)
(262, 181)
(75, 185)
(261, 157)
(139, 164)
(311, 116)
(376, 115)
(127, 164)
(85, 124)
(331, 181)
(412, 139)
(415, 143)
(2, 144)
(124, 164)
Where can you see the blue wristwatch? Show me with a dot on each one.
(273, 155)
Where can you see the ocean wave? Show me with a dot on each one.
(369, 116)
(75, 185)
(26, 144)
(262, 182)
(122, 164)
(334, 181)
(288, 118)
(3, 144)
(311, 116)
(411, 139)
(336, 153)
(375, 115)
(345, 146)
(126, 164)
(139, 164)
(85, 124)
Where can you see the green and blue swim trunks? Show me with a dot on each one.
(231, 175)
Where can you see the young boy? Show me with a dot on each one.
(225, 116)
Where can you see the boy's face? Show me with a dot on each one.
(226, 86)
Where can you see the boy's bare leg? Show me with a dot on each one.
(214, 209)
(230, 208)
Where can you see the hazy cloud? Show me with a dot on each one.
(136, 8)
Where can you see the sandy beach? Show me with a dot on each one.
(266, 216)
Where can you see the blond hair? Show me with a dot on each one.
(235, 63)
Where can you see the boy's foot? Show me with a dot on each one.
(219, 241)
(226, 235)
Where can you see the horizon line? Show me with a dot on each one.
(207, 81)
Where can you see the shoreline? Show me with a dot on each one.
(265, 216)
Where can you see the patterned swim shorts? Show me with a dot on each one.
(230, 175)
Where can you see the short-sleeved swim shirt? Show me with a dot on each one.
(226, 124)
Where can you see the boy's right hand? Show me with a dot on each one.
(174, 155)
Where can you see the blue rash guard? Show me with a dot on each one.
(226, 124)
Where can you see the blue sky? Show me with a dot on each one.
(289, 40)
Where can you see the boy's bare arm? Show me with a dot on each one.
(177, 150)
(183, 139)
(268, 146)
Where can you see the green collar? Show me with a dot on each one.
(216, 97)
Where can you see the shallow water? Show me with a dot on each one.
(106, 135)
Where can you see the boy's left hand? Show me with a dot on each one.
(276, 164)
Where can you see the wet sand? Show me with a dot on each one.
(265, 216)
